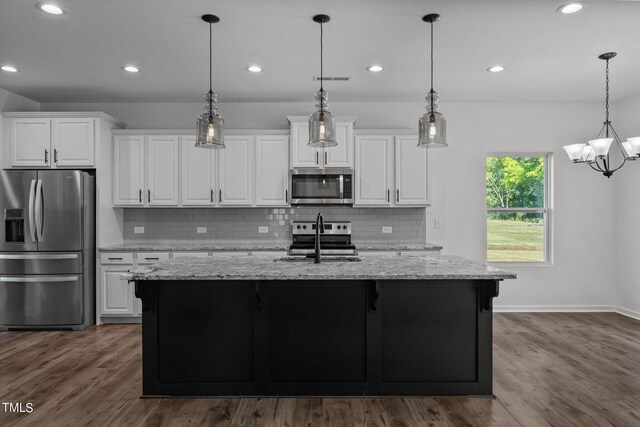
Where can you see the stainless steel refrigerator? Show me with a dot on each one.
(47, 249)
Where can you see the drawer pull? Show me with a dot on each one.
(115, 259)
(156, 258)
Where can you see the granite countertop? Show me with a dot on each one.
(172, 247)
(406, 267)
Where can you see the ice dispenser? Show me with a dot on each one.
(14, 225)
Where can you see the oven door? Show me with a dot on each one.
(321, 187)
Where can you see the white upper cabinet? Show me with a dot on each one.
(54, 139)
(272, 170)
(73, 142)
(236, 171)
(198, 179)
(163, 154)
(411, 172)
(29, 141)
(303, 156)
(373, 170)
(128, 170)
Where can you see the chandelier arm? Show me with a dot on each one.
(595, 168)
(618, 141)
(621, 165)
(600, 168)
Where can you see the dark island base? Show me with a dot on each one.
(317, 338)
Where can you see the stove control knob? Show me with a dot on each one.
(299, 227)
(304, 226)
(339, 227)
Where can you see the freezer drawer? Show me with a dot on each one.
(23, 263)
(41, 300)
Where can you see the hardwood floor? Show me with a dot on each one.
(556, 369)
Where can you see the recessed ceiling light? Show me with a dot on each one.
(375, 68)
(254, 68)
(50, 8)
(570, 8)
(130, 69)
(495, 69)
(9, 69)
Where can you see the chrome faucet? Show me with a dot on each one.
(319, 229)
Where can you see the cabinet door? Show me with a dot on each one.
(30, 142)
(341, 156)
(235, 168)
(198, 174)
(128, 170)
(272, 170)
(73, 142)
(411, 172)
(372, 172)
(117, 293)
(302, 156)
(163, 160)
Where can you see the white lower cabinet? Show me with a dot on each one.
(117, 292)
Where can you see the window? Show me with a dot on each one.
(517, 200)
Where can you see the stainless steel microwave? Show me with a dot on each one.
(329, 186)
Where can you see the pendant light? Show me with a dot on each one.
(210, 126)
(432, 125)
(596, 152)
(322, 131)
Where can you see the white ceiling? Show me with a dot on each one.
(548, 56)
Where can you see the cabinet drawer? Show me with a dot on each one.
(190, 254)
(152, 257)
(116, 258)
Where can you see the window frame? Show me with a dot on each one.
(547, 210)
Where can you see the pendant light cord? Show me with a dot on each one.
(210, 73)
(321, 70)
(432, 116)
(607, 92)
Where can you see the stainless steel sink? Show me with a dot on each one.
(322, 259)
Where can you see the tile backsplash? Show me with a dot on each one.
(240, 225)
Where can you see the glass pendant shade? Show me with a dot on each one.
(432, 126)
(322, 128)
(574, 151)
(209, 125)
(588, 154)
(628, 149)
(601, 146)
(634, 143)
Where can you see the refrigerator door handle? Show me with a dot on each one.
(32, 229)
(39, 279)
(38, 256)
(39, 211)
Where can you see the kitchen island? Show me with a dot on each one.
(386, 325)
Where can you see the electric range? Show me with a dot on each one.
(335, 240)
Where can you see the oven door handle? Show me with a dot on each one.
(341, 180)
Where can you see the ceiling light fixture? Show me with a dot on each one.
(432, 125)
(130, 68)
(210, 126)
(9, 69)
(495, 69)
(596, 152)
(322, 130)
(50, 8)
(570, 8)
(375, 68)
(254, 68)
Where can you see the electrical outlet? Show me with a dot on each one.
(387, 230)
(201, 230)
(263, 229)
(138, 230)
(438, 223)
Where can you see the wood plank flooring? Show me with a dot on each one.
(550, 369)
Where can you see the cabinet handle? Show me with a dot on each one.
(398, 195)
(286, 196)
(220, 196)
(316, 158)
(46, 156)
(388, 191)
(212, 196)
(148, 259)
(140, 195)
(325, 158)
(149, 196)
(115, 259)
(55, 155)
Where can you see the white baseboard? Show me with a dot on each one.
(566, 308)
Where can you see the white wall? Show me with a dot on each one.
(584, 260)
(627, 295)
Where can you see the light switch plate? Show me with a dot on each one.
(263, 229)
(387, 230)
(138, 230)
(201, 230)
(438, 223)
